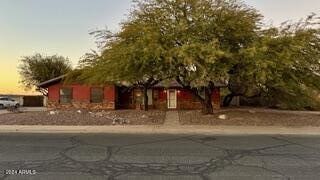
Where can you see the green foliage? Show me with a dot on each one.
(38, 68)
(89, 59)
(201, 42)
(133, 55)
(282, 66)
(202, 37)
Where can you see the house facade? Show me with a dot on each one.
(111, 97)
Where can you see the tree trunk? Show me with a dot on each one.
(227, 100)
(43, 91)
(206, 102)
(207, 107)
(145, 98)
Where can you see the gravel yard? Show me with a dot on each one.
(229, 117)
(84, 118)
(249, 118)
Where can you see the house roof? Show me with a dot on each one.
(51, 81)
(175, 84)
(220, 84)
(172, 83)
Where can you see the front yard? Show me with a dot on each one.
(84, 118)
(234, 117)
(225, 117)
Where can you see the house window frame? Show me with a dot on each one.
(155, 94)
(102, 97)
(71, 95)
(150, 97)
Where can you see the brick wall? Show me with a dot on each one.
(81, 98)
(216, 98)
(108, 105)
(185, 100)
(160, 99)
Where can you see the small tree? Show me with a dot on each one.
(38, 68)
(282, 66)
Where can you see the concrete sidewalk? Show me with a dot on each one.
(172, 119)
(205, 130)
(246, 109)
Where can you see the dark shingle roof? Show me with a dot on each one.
(175, 84)
(51, 81)
(166, 84)
(172, 84)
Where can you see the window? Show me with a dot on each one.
(96, 95)
(65, 95)
(155, 94)
(150, 99)
(201, 93)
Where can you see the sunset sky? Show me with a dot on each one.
(62, 26)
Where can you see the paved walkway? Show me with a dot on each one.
(172, 118)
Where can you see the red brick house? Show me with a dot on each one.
(110, 97)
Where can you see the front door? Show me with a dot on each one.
(172, 99)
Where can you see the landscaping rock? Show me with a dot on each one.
(252, 111)
(223, 117)
(53, 112)
(74, 118)
(120, 121)
(235, 117)
(99, 114)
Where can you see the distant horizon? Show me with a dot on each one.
(62, 27)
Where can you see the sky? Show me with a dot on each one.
(62, 27)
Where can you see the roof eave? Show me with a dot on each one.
(50, 82)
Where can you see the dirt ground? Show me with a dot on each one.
(249, 118)
(227, 117)
(83, 118)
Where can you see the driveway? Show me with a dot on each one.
(158, 157)
(33, 109)
(26, 109)
(3, 111)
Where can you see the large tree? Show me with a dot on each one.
(39, 68)
(196, 42)
(202, 42)
(202, 38)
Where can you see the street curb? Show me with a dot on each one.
(143, 129)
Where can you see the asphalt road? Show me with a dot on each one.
(158, 157)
